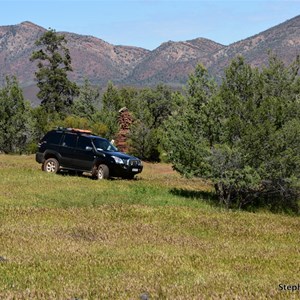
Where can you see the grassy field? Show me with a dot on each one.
(157, 237)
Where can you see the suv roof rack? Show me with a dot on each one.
(74, 130)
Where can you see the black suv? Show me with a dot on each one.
(81, 151)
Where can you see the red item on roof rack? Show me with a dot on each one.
(80, 130)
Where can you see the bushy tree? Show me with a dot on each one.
(111, 99)
(15, 130)
(88, 101)
(110, 106)
(151, 107)
(191, 129)
(144, 141)
(243, 136)
(127, 95)
(56, 91)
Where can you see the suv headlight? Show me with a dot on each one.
(118, 160)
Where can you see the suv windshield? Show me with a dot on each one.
(102, 144)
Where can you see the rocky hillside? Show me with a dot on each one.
(170, 63)
(16, 46)
(91, 57)
(283, 40)
(100, 61)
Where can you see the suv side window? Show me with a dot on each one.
(70, 140)
(83, 142)
(52, 137)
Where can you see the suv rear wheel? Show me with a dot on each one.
(103, 172)
(51, 165)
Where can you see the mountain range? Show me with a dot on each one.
(170, 63)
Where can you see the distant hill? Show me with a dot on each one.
(283, 40)
(170, 63)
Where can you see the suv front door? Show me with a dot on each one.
(84, 153)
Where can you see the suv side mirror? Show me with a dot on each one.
(88, 148)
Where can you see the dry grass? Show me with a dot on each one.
(68, 237)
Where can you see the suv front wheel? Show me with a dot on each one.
(103, 172)
(51, 165)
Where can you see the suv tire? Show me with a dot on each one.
(102, 172)
(51, 165)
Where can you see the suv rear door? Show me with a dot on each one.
(67, 151)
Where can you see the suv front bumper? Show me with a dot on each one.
(121, 170)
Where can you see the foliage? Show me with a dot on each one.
(127, 96)
(85, 123)
(15, 129)
(111, 100)
(150, 108)
(56, 91)
(85, 105)
(144, 141)
(84, 115)
(191, 130)
(108, 115)
(243, 136)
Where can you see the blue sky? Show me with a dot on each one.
(148, 23)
